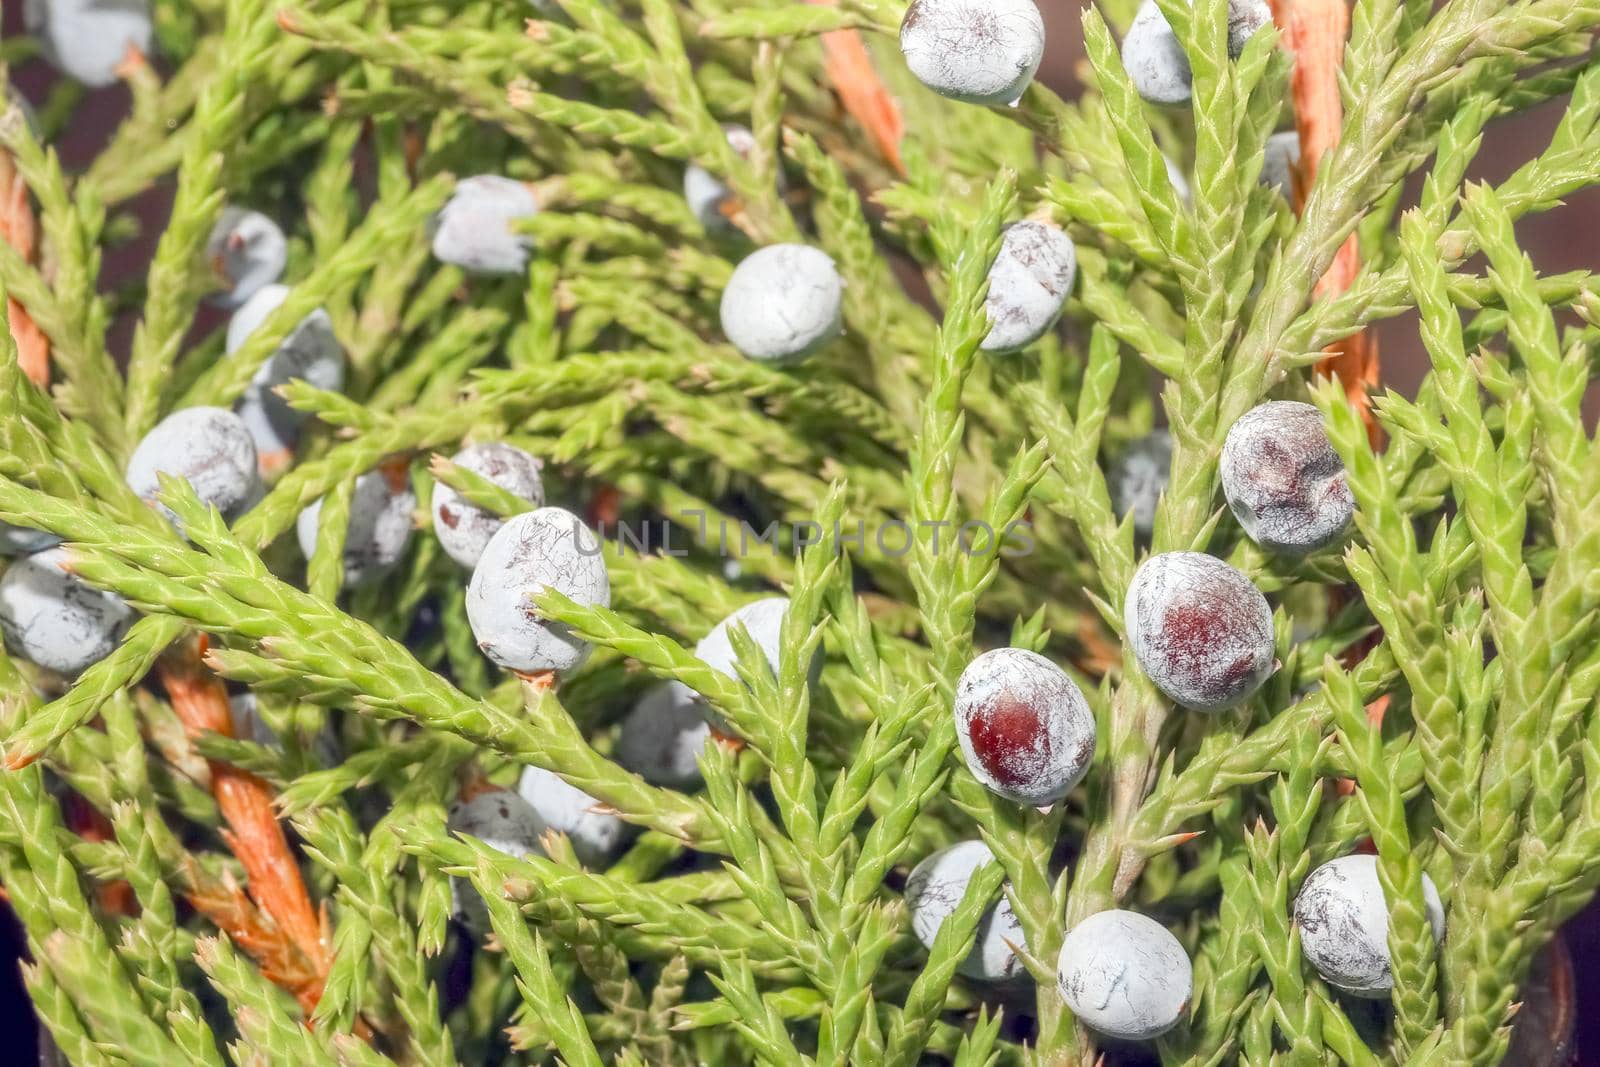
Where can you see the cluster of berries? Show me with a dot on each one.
(1199, 628)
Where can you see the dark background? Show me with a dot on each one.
(1557, 241)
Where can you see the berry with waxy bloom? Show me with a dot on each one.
(1124, 975)
(1139, 477)
(934, 889)
(506, 823)
(476, 228)
(380, 525)
(310, 352)
(548, 548)
(763, 621)
(977, 51)
(1283, 479)
(1245, 19)
(51, 617)
(1156, 61)
(88, 40)
(1028, 284)
(783, 303)
(19, 540)
(210, 448)
(1343, 919)
(1023, 725)
(1200, 629)
(663, 736)
(464, 529)
(596, 835)
(707, 196)
(1281, 159)
(246, 250)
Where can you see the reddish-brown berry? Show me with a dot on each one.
(1023, 725)
(1200, 629)
(1283, 480)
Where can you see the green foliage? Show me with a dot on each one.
(760, 918)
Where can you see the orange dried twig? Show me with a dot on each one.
(1314, 31)
(862, 92)
(18, 230)
(255, 837)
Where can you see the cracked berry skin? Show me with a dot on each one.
(380, 526)
(55, 619)
(1343, 918)
(783, 303)
(1024, 727)
(464, 529)
(1125, 976)
(1200, 629)
(1283, 479)
(934, 888)
(548, 548)
(1029, 284)
(506, 823)
(210, 448)
(975, 51)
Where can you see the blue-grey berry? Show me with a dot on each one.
(663, 736)
(1028, 284)
(707, 195)
(783, 303)
(381, 517)
(1343, 918)
(506, 823)
(977, 51)
(548, 548)
(246, 251)
(462, 528)
(1282, 157)
(763, 621)
(210, 448)
(1156, 61)
(87, 40)
(1124, 975)
(20, 541)
(596, 835)
(475, 228)
(310, 352)
(56, 619)
(1200, 629)
(1245, 18)
(934, 888)
(1139, 477)
(1283, 479)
